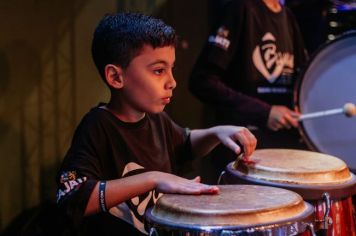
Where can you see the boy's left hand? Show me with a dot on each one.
(230, 136)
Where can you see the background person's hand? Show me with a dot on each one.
(281, 117)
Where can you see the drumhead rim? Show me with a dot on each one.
(308, 192)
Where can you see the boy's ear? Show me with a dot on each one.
(114, 76)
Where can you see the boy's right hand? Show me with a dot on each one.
(169, 183)
(237, 138)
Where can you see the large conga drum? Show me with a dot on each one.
(328, 82)
(236, 210)
(322, 180)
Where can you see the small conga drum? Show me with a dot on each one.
(235, 210)
(322, 180)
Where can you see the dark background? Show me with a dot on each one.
(48, 81)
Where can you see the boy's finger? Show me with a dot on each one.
(197, 179)
(233, 145)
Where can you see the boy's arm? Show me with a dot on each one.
(234, 137)
(120, 190)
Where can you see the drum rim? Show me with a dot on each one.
(299, 82)
(308, 192)
(302, 220)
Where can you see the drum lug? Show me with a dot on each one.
(153, 232)
(231, 233)
(220, 177)
(226, 233)
(310, 227)
(327, 219)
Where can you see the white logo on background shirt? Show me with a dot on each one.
(270, 62)
(220, 39)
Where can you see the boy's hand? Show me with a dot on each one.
(168, 183)
(230, 136)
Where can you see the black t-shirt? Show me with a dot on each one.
(105, 148)
(249, 62)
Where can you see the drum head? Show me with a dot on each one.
(295, 167)
(235, 206)
(329, 82)
(310, 174)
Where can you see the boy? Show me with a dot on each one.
(123, 152)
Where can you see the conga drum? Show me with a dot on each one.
(327, 82)
(236, 210)
(322, 180)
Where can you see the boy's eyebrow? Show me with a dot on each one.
(159, 62)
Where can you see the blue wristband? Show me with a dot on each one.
(102, 203)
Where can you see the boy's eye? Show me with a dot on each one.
(158, 71)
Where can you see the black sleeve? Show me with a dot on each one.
(206, 78)
(80, 170)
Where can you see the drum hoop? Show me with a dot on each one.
(299, 82)
(308, 192)
(299, 221)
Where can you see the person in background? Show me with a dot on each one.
(312, 17)
(127, 152)
(247, 72)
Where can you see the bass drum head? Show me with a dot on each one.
(328, 82)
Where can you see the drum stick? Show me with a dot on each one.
(348, 110)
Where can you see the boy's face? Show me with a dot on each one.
(148, 81)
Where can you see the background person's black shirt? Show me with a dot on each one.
(249, 62)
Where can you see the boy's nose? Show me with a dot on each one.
(171, 84)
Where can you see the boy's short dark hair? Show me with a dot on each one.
(118, 38)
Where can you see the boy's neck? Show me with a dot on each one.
(273, 5)
(117, 111)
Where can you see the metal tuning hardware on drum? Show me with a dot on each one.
(153, 232)
(327, 221)
(220, 177)
(322, 180)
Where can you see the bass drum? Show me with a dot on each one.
(328, 82)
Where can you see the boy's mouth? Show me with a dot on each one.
(166, 100)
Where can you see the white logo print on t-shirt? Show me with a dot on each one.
(270, 62)
(133, 210)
